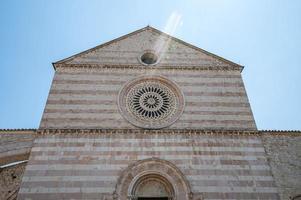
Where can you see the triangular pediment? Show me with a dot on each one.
(127, 50)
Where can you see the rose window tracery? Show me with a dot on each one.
(151, 102)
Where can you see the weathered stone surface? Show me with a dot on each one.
(15, 145)
(284, 153)
(88, 99)
(10, 180)
(217, 166)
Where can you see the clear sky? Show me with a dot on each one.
(262, 35)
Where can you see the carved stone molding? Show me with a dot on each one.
(179, 188)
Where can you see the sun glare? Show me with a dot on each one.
(173, 23)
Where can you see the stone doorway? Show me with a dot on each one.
(152, 179)
(152, 187)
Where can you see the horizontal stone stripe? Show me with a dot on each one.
(240, 195)
(209, 126)
(117, 116)
(236, 189)
(115, 169)
(102, 181)
(69, 172)
(119, 82)
(220, 162)
(78, 170)
(15, 152)
(131, 71)
(84, 92)
(222, 183)
(105, 122)
(182, 165)
(246, 161)
(234, 170)
(120, 154)
(111, 75)
(14, 146)
(133, 138)
(155, 148)
(93, 88)
(229, 178)
(145, 143)
(48, 190)
(86, 111)
(130, 59)
(73, 196)
(62, 184)
(46, 166)
(81, 102)
(109, 102)
(124, 125)
(91, 106)
(201, 157)
(114, 107)
(218, 121)
(198, 92)
(106, 175)
(67, 178)
(242, 99)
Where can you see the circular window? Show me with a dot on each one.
(151, 102)
(149, 58)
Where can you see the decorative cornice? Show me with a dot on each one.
(98, 66)
(23, 130)
(161, 131)
(281, 132)
(145, 131)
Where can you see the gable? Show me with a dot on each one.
(127, 51)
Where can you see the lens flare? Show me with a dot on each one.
(173, 22)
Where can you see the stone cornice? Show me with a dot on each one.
(23, 130)
(163, 131)
(59, 67)
(142, 131)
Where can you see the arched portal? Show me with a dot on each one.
(152, 179)
(151, 187)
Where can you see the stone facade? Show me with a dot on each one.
(174, 123)
(88, 165)
(85, 87)
(15, 145)
(284, 153)
(86, 98)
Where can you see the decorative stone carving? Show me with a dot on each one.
(151, 102)
(132, 179)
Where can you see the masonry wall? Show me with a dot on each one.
(87, 98)
(15, 145)
(284, 153)
(10, 181)
(87, 165)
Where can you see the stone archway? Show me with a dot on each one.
(152, 186)
(166, 180)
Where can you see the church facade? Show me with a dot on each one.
(148, 116)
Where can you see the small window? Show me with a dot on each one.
(149, 58)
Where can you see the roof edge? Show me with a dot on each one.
(101, 45)
(62, 61)
(195, 47)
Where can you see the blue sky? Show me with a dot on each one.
(262, 35)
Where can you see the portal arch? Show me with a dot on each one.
(154, 178)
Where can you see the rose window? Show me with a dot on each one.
(151, 102)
